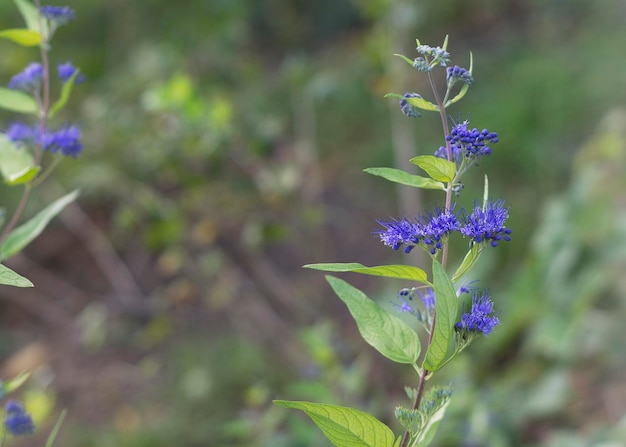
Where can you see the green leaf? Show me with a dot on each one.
(438, 168)
(10, 278)
(66, 91)
(405, 59)
(388, 334)
(25, 37)
(29, 13)
(388, 271)
(468, 262)
(17, 165)
(446, 306)
(486, 192)
(404, 178)
(418, 102)
(13, 384)
(459, 95)
(344, 426)
(17, 101)
(25, 233)
(422, 104)
(426, 436)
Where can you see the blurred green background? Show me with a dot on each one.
(224, 147)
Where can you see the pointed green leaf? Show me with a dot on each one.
(418, 102)
(25, 233)
(446, 307)
(486, 192)
(25, 37)
(388, 334)
(445, 43)
(438, 168)
(422, 104)
(388, 271)
(405, 59)
(13, 384)
(404, 178)
(10, 278)
(425, 437)
(468, 262)
(16, 164)
(344, 426)
(17, 101)
(29, 13)
(66, 91)
(398, 441)
(459, 95)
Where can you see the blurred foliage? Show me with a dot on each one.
(225, 143)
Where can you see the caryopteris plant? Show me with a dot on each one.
(453, 313)
(30, 148)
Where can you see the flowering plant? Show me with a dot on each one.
(29, 151)
(453, 313)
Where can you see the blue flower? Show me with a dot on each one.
(407, 108)
(17, 421)
(398, 233)
(471, 142)
(28, 79)
(457, 73)
(436, 225)
(66, 140)
(60, 15)
(67, 70)
(19, 132)
(428, 298)
(487, 224)
(480, 317)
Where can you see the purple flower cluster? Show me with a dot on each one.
(437, 225)
(67, 70)
(28, 79)
(487, 224)
(17, 421)
(471, 142)
(65, 140)
(480, 317)
(457, 73)
(407, 108)
(60, 15)
(431, 229)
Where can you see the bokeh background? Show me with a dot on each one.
(224, 147)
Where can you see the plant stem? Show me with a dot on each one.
(444, 256)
